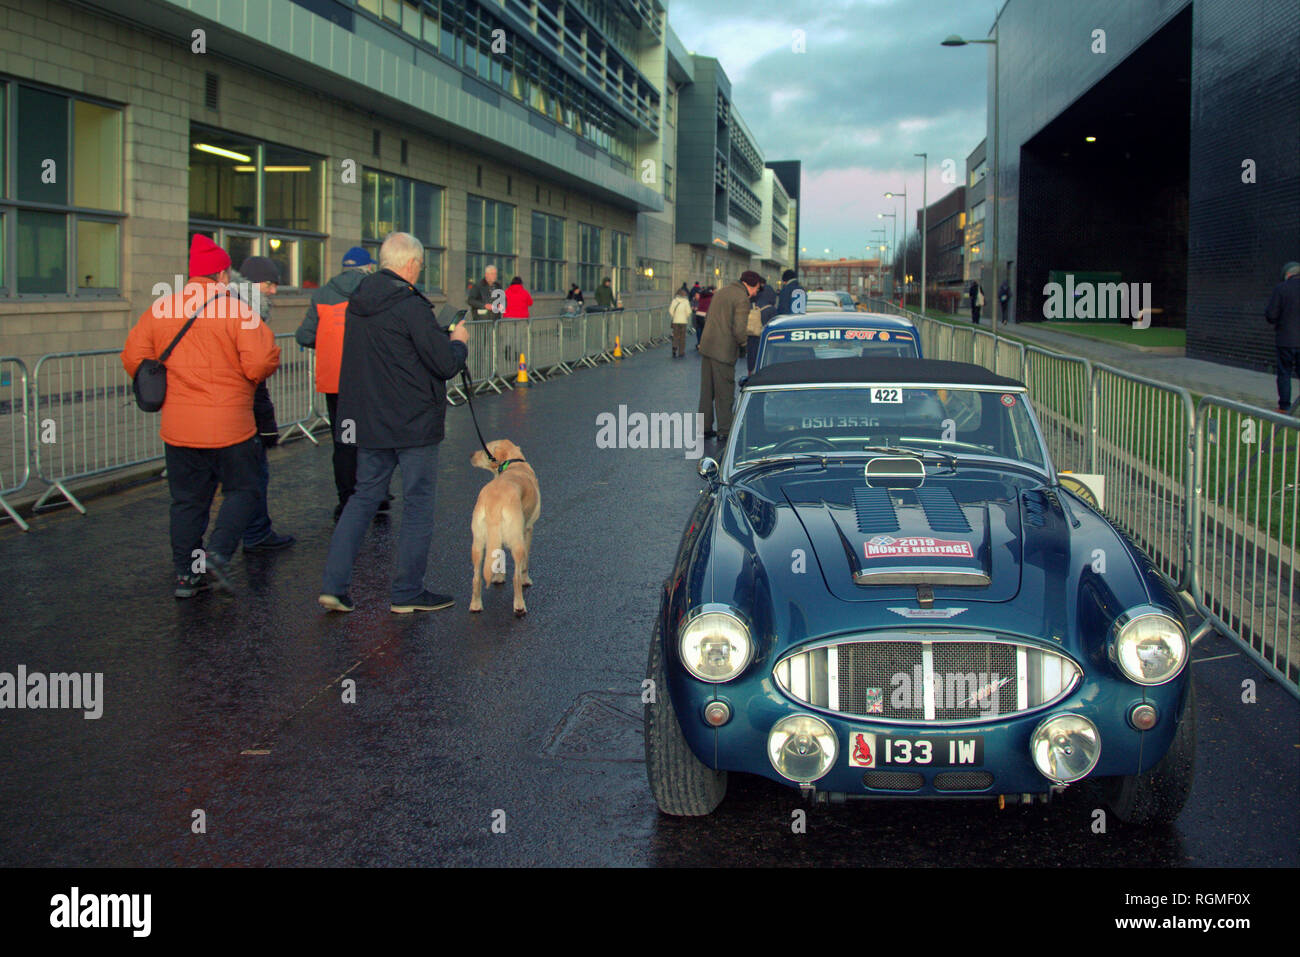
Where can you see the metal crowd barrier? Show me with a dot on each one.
(1144, 447)
(15, 434)
(1247, 501)
(511, 342)
(572, 340)
(293, 388)
(86, 422)
(545, 347)
(1059, 387)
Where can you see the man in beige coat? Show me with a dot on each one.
(725, 331)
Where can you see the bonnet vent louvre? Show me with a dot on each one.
(941, 510)
(875, 510)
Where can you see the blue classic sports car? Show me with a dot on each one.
(836, 335)
(885, 591)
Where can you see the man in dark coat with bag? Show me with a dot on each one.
(725, 331)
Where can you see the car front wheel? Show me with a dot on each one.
(1158, 796)
(682, 784)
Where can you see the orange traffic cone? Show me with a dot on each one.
(618, 348)
(522, 377)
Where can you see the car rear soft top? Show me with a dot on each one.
(857, 370)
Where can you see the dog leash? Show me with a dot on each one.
(469, 390)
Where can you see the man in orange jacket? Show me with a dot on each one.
(208, 428)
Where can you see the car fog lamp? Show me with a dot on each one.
(1065, 747)
(715, 646)
(801, 747)
(1149, 649)
(716, 713)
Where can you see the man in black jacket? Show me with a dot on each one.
(392, 401)
(1283, 311)
(792, 301)
(480, 296)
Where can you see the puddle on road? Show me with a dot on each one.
(599, 726)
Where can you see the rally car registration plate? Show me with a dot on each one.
(869, 750)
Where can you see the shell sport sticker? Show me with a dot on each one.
(885, 546)
(1008, 400)
(863, 752)
(884, 337)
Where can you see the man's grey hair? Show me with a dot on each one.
(1290, 269)
(490, 267)
(398, 250)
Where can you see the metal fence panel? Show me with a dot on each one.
(1143, 446)
(512, 342)
(482, 354)
(1247, 511)
(545, 355)
(293, 387)
(1059, 388)
(593, 349)
(572, 340)
(15, 433)
(86, 421)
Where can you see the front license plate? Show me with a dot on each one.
(867, 750)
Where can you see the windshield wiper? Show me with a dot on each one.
(787, 458)
(948, 458)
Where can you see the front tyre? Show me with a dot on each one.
(1158, 796)
(681, 783)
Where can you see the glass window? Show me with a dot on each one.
(394, 203)
(547, 253)
(311, 263)
(223, 178)
(42, 248)
(41, 147)
(98, 245)
(411, 18)
(292, 183)
(589, 264)
(280, 250)
(240, 246)
(490, 237)
(97, 156)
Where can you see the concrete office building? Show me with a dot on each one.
(1191, 178)
(945, 227)
(535, 136)
(975, 261)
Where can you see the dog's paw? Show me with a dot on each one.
(521, 611)
(476, 606)
(528, 583)
(498, 580)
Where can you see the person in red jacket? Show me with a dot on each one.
(518, 300)
(208, 429)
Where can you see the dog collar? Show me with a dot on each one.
(506, 464)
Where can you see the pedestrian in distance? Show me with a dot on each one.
(976, 301)
(480, 297)
(793, 299)
(322, 329)
(573, 302)
(1283, 312)
(260, 536)
(701, 311)
(765, 302)
(694, 296)
(604, 297)
(679, 311)
(393, 398)
(208, 430)
(721, 344)
(518, 300)
(1004, 297)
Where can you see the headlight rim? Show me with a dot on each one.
(1033, 737)
(1127, 618)
(830, 733)
(729, 611)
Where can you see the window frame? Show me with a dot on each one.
(556, 267)
(435, 248)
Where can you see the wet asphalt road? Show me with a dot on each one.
(458, 717)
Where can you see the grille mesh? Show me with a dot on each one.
(963, 781)
(893, 780)
(885, 678)
(868, 669)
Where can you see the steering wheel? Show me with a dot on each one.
(806, 438)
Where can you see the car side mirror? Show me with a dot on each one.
(709, 470)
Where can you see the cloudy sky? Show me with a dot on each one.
(873, 87)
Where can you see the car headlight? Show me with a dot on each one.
(1065, 747)
(801, 747)
(715, 644)
(1148, 646)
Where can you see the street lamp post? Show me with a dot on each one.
(906, 230)
(925, 164)
(894, 217)
(880, 261)
(956, 41)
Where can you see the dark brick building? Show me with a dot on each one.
(945, 229)
(1191, 180)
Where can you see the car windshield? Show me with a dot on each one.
(853, 418)
(800, 344)
(846, 300)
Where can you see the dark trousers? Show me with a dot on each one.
(419, 480)
(345, 455)
(1288, 368)
(679, 338)
(193, 476)
(717, 392)
(699, 328)
(974, 313)
(751, 353)
(260, 526)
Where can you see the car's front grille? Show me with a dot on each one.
(927, 679)
(963, 781)
(893, 780)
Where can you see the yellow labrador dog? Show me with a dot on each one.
(503, 519)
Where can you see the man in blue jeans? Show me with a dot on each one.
(392, 402)
(1283, 311)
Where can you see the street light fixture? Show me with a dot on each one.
(894, 217)
(956, 41)
(892, 195)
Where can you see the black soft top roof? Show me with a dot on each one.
(868, 371)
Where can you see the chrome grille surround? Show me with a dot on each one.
(927, 678)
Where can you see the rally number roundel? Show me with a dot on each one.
(1079, 488)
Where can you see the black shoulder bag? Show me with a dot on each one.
(150, 381)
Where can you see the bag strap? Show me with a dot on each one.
(186, 328)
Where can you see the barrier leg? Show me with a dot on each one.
(14, 515)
